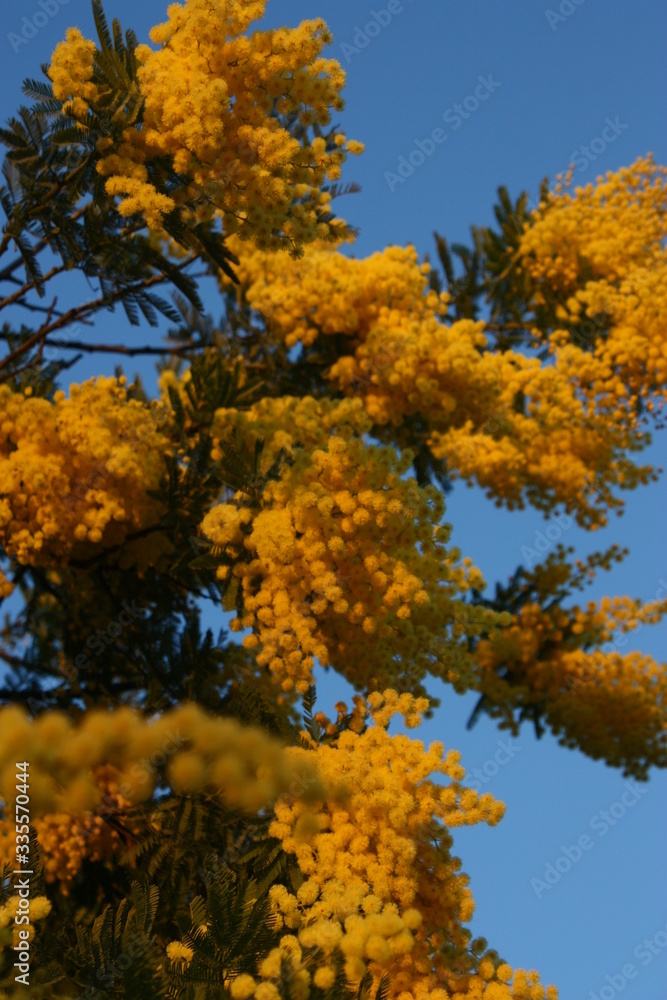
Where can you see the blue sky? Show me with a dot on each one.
(582, 82)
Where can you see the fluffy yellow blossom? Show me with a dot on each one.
(346, 563)
(179, 952)
(389, 889)
(71, 72)
(551, 432)
(74, 473)
(328, 293)
(612, 225)
(564, 446)
(230, 141)
(324, 977)
(39, 907)
(186, 748)
(69, 840)
(242, 987)
(608, 703)
(601, 249)
(6, 586)
(290, 422)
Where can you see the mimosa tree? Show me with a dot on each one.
(195, 829)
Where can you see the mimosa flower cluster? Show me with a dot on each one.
(382, 889)
(71, 73)
(74, 473)
(40, 907)
(611, 705)
(601, 250)
(68, 841)
(6, 586)
(566, 441)
(290, 423)
(329, 293)
(179, 952)
(226, 138)
(242, 765)
(564, 447)
(467, 396)
(611, 225)
(347, 562)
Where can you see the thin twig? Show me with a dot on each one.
(9, 270)
(30, 285)
(79, 312)
(35, 308)
(76, 345)
(13, 661)
(500, 327)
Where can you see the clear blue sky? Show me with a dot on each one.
(555, 81)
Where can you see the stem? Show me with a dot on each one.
(44, 242)
(75, 345)
(79, 312)
(29, 285)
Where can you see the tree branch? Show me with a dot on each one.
(76, 345)
(78, 313)
(44, 242)
(29, 286)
